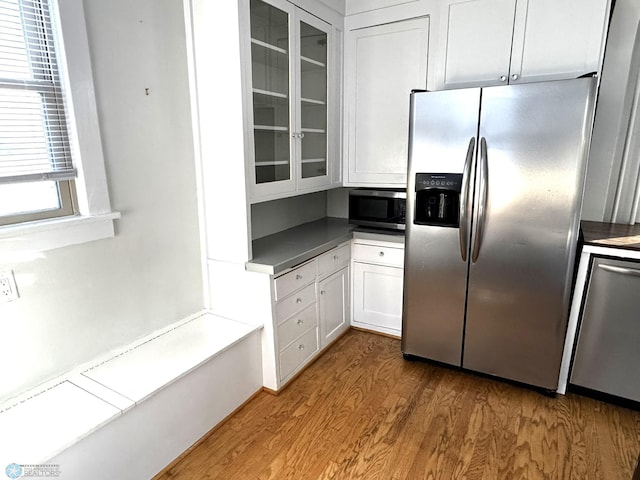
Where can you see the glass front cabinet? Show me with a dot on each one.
(288, 113)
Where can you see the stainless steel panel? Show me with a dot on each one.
(537, 140)
(607, 352)
(435, 274)
(441, 125)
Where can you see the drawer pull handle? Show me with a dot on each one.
(301, 347)
(298, 300)
(300, 322)
(336, 257)
(298, 277)
(381, 254)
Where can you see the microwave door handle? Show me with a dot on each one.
(464, 200)
(482, 201)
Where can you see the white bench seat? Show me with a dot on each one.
(127, 404)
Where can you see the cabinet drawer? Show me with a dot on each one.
(296, 325)
(379, 255)
(296, 302)
(295, 279)
(295, 354)
(333, 260)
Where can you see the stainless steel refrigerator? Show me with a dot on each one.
(493, 207)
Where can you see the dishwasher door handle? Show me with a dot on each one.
(622, 270)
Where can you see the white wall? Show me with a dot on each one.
(277, 215)
(337, 5)
(81, 301)
(612, 191)
(338, 202)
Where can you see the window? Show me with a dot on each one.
(53, 189)
(36, 169)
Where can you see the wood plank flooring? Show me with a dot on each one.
(362, 412)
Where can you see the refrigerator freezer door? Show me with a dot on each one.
(443, 125)
(519, 286)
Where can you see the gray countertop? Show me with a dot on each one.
(276, 253)
(611, 235)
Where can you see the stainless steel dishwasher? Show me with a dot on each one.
(607, 352)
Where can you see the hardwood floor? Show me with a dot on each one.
(362, 412)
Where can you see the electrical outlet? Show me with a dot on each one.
(8, 289)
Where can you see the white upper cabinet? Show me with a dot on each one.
(312, 118)
(494, 42)
(383, 63)
(289, 133)
(558, 39)
(476, 38)
(272, 67)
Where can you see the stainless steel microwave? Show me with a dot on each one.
(379, 208)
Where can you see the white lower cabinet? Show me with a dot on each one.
(293, 356)
(297, 324)
(377, 286)
(358, 283)
(333, 306)
(310, 309)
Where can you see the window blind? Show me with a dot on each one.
(34, 141)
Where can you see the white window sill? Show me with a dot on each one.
(56, 233)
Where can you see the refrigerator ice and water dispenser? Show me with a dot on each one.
(438, 199)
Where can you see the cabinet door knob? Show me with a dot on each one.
(300, 347)
(298, 277)
(381, 254)
(298, 300)
(322, 292)
(514, 76)
(300, 321)
(503, 78)
(335, 257)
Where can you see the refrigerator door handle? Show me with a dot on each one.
(464, 199)
(482, 200)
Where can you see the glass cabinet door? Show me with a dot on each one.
(290, 54)
(313, 101)
(270, 91)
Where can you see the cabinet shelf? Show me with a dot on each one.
(271, 163)
(271, 128)
(315, 102)
(269, 93)
(313, 130)
(268, 46)
(311, 61)
(314, 160)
